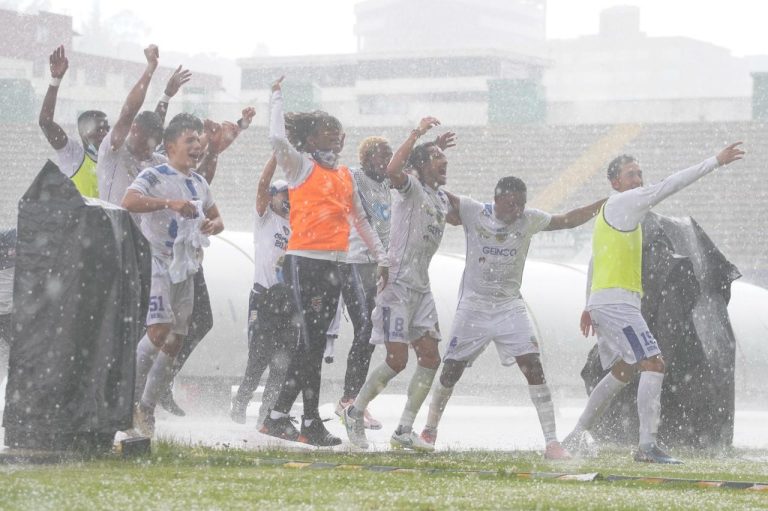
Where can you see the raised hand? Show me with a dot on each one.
(152, 54)
(177, 79)
(446, 140)
(248, 114)
(730, 154)
(277, 85)
(426, 124)
(58, 62)
(224, 136)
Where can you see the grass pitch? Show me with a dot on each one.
(190, 478)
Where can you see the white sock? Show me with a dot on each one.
(146, 352)
(542, 400)
(308, 422)
(440, 396)
(274, 414)
(418, 390)
(157, 382)
(377, 380)
(649, 405)
(599, 399)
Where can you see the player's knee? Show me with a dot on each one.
(655, 364)
(397, 361)
(172, 345)
(158, 334)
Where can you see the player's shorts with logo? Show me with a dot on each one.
(169, 302)
(403, 315)
(622, 334)
(510, 329)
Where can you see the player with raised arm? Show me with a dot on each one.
(615, 287)
(272, 333)
(405, 313)
(177, 211)
(359, 272)
(491, 308)
(130, 145)
(324, 204)
(77, 158)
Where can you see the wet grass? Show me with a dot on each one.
(195, 477)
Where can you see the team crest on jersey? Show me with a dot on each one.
(481, 260)
(316, 303)
(454, 342)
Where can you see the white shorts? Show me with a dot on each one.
(510, 329)
(403, 315)
(169, 303)
(622, 334)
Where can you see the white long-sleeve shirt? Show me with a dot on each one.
(624, 211)
(297, 168)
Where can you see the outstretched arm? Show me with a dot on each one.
(220, 137)
(178, 78)
(453, 217)
(56, 136)
(262, 190)
(395, 169)
(135, 100)
(625, 210)
(575, 217)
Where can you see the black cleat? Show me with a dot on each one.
(280, 428)
(652, 454)
(170, 405)
(316, 434)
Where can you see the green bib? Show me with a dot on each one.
(617, 257)
(85, 178)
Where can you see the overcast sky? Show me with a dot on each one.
(294, 27)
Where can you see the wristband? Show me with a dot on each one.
(55, 82)
(165, 99)
(417, 132)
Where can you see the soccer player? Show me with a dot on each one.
(359, 272)
(625, 343)
(405, 312)
(491, 307)
(216, 138)
(7, 270)
(324, 204)
(272, 333)
(77, 159)
(130, 145)
(176, 207)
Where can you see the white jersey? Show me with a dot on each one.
(376, 199)
(116, 170)
(496, 253)
(70, 157)
(270, 238)
(418, 222)
(165, 182)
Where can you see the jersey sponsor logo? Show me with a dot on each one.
(281, 241)
(434, 231)
(454, 342)
(286, 230)
(381, 211)
(316, 302)
(150, 178)
(498, 251)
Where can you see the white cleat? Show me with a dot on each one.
(581, 443)
(410, 441)
(355, 430)
(368, 421)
